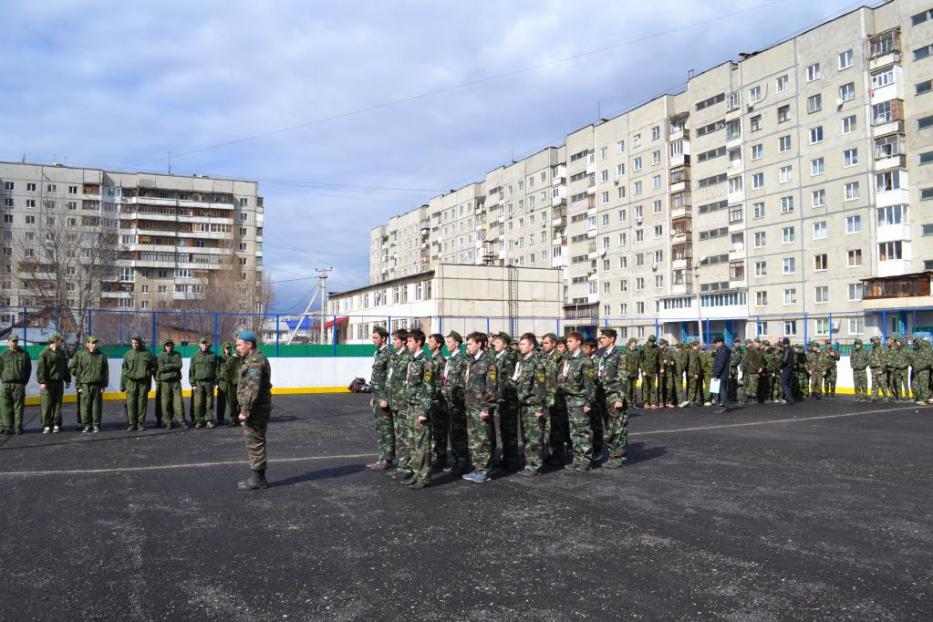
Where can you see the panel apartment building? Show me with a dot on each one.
(786, 192)
(140, 241)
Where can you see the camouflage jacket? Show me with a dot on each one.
(899, 358)
(88, 368)
(203, 367)
(832, 357)
(168, 366)
(395, 381)
(706, 362)
(380, 373)
(52, 366)
(633, 362)
(772, 361)
(859, 358)
(611, 373)
(480, 382)
(888, 357)
(650, 358)
(680, 361)
(923, 357)
(576, 381)
(754, 361)
(451, 379)
(693, 363)
(15, 366)
(418, 387)
(505, 367)
(666, 362)
(254, 385)
(816, 363)
(438, 363)
(552, 367)
(735, 361)
(530, 381)
(876, 357)
(229, 370)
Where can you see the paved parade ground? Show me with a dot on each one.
(823, 510)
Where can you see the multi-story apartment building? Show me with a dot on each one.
(784, 193)
(124, 240)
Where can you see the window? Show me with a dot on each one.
(620, 146)
(733, 129)
(757, 151)
(924, 87)
(656, 182)
(926, 230)
(761, 298)
(787, 235)
(9, 185)
(818, 198)
(820, 262)
(30, 202)
(817, 166)
(790, 296)
(851, 190)
(655, 207)
(891, 180)
(761, 268)
(783, 114)
(816, 134)
(850, 157)
(758, 210)
(890, 251)
(785, 174)
(814, 103)
(51, 188)
(892, 215)
(882, 78)
(845, 59)
(882, 113)
(847, 92)
(636, 140)
(925, 122)
(853, 224)
(919, 18)
(636, 164)
(790, 326)
(8, 202)
(854, 257)
(813, 72)
(787, 204)
(760, 239)
(755, 123)
(848, 124)
(856, 325)
(821, 293)
(790, 265)
(758, 180)
(855, 292)
(784, 143)
(754, 94)
(782, 82)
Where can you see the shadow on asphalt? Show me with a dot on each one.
(320, 474)
(637, 452)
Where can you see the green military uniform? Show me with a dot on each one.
(440, 421)
(254, 396)
(52, 371)
(612, 375)
(900, 363)
(829, 380)
(889, 370)
(816, 369)
(530, 382)
(378, 380)
(92, 375)
(15, 369)
(680, 368)
(666, 365)
(651, 366)
(557, 407)
(633, 366)
(395, 388)
(507, 402)
(576, 383)
(876, 361)
(202, 376)
(227, 377)
(418, 392)
(735, 362)
(694, 376)
(168, 376)
(858, 361)
(706, 367)
(773, 369)
(480, 386)
(135, 381)
(922, 366)
(452, 391)
(754, 369)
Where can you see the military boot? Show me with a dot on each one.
(256, 481)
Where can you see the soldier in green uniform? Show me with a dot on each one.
(254, 398)
(922, 365)
(666, 395)
(612, 375)
(15, 369)
(53, 376)
(227, 376)
(576, 382)
(202, 376)
(899, 363)
(530, 381)
(754, 368)
(480, 386)
(858, 361)
(382, 414)
(440, 421)
(735, 362)
(557, 408)
(452, 390)
(418, 391)
(135, 381)
(801, 377)
(506, 408)
(876, 361)
(92, 375)
(831, 356)
(889, 367)
(168, 375)
(816, 369)
(706, 365)
(773, 370)
(395, 388)
(651, 365)
(680, 368)
(694, 377)
(598, 415)
(633, 366)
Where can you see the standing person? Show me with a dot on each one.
(202, 376)
(858, 361)
(922, 365)
(52, 375)
(254, 397)
(651, 362)
(382, 414)
(694, 371)
(506, 408)
(576, 379)
(15, 369)
(876, 360)
(787, 371)
(721, 371)
(440, 421)
(633, 366)
(754, 368)
(831, 356)
(665, 375)
(168, 375)
(135, 381)
(92, 375)
(610, 370)
(816, 369)
(706, 371)
(680, 367)
(419, 390)
(226, 387)
(452, 390)
(395, 389)
(598, 415)
(889, 367)
(557, 409)
(480, 390)
(530, 380)
(899, 363)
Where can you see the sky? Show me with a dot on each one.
(348, 113)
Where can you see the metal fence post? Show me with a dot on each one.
(334, 334)
(217, 327)
(154, 334)
(830, 328)
(707, 330)
(487, 325)
(884, 325)
(806, 330)
(389, 324)
(278, 338)
(440, 324)
(657, 327)
(25, 327)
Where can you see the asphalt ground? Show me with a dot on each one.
(823, 510)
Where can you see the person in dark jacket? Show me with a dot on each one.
(721, 371)
(787, 372)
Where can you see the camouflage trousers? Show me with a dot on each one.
(860, 379)
(91, 403)
(581, 435)
(170, 400)
(900, 389)
(559, 430)
(803, 384)
(421, 444)
(440, 431)
(227, 407)
(649, 385)
(693, 390)
(534, 437)
(507, 417)
(202, 401)
(255, 433)
(385, 432)
(631, 391)
(480, 434)
(402, 440)
(666, 388)
(829, 381)
(921, 384)
(751, 386)
(454, 436)
(12, 405)
(816, 383)
(50, 403)
(707, 376)
(879, 382)
(617, 431)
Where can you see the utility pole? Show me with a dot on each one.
(322, 280)
(319, 289)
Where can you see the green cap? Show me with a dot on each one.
(504, 336)
(858, 342)
(663, 342)
(455, 336)
(382, 332)
(166, 342)
(91, 339)
(652, 338)
(632, 340)
(13, 337)
(875, 340)
(54, 337)
(204, 340)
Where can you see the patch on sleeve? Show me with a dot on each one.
(253, 372)
(427, 376)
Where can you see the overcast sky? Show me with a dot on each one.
(122, 84)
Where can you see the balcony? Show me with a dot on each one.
(586, 312)
(892, 233)
(884, 49)
(906, 290)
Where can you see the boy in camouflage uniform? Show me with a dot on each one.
(876, 361)
(382, 414)
(557, 407)
(706, 367)
(395, 383)
(530, 382)
(92, 375)
(922, 365)
(440, 421)
(611, 372)
(899, 363)
(135, 381)
(480, 385)
(226, 387)
(419, 392)
(576, 382)
(633, 366)
(52, 375)
(451, 382)
(694, 377)
(15, 369)
(506, 411)
(651, 364)
(831, 357)
(666, 364)
(816, 369)
(254, 396)
(858, 361)
(202, 376)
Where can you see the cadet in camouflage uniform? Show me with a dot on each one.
(202, 376)
(922, 366)
(666, 365)
(899, 362)
(15, 369)
(800, 372)
(135, 381)
(651, 365)
(557, 407)
(832, 358)
(876, 360)
(754, 369)
(816, 368)
(92, 375)
(735, 362)
(227, 379)
(694, 377)
(506, 408)
(168, 376)
(611, 372)
(451, 384)
(52, 375)
(530, 381)
(395, 384)
(889, 366)
(680, 368)
(576, 382)
(773, 368)
(706, 365)
(598, 415)
(633, 366)
(382, 414)
(858, 361)
(254, 397)
(480, 385)
(440, 421)
(419, 392)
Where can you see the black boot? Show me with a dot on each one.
(256, 481)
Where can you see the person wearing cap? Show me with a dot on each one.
(786, 364)
(876, 361)
(694, 371)
(680, 367)
(382, 414)
(557, 407)
(452, 392)
(735, 364)
(168, 375)
(720, 370)
(395, 390)
(706, 373)
(91, 372)
(254, 397)
(831, 356)
(899, 362)
(135, 381)
(577, 377)
(816, 369)
(666, 365)
(754, 370)
(53, 376)
(15, 369)
(202, 376)
(611, 374)
(651, 364)
(858, 361)
(507, 400)
(227, 377)
(922, 365)
(802, 383)
(634, 365)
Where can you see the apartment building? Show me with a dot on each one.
(136, 240)
(787, 192)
